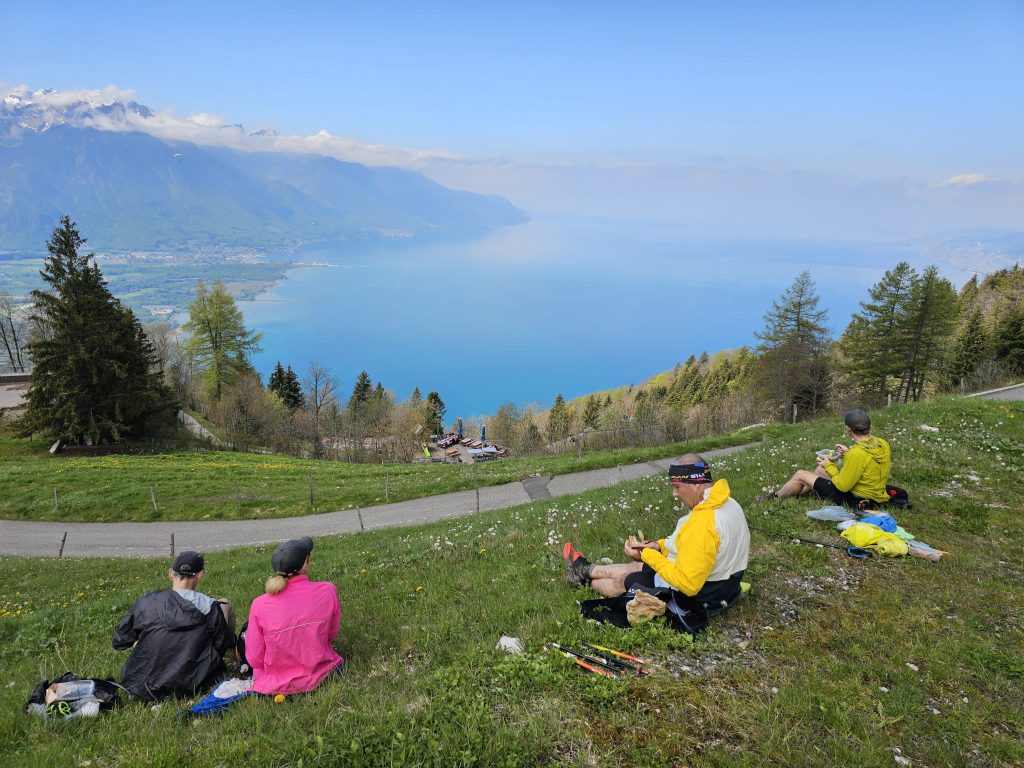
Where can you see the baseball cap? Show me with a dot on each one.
(857, 420)
(289, 557)
(188, 563)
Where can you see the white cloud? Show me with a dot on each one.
(203, 128)
(965, 180)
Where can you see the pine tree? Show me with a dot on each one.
(433, 414)
(923, 338)
(285, 384)
(970, 348)
(559, 420)
(361, 392)
(793, 364)
(95, 377)
(415, 399)
(871, 358)
(1008, 338)
(591, 412)
(218, 340)
(293, 396)
(276, 382)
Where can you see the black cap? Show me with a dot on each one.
(857, 420)
(289, 557)
(188, 563)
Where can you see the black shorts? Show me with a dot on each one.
(712, 593)
(824, 488)
(642, 578)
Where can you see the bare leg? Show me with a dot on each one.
(801, 482)
(229, 613)
(609, 580)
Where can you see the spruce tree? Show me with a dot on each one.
(293, 397)
(794, 343)
(591, 412)
(95, 376)
(560, 420)
(276, 382)
(361, 392)
(433, 410)
(1008, 338)
(923, 338)
(970, 348)
(871, 359)
(285, 384)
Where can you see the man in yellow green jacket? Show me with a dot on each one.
(862, 479)
(705, 556)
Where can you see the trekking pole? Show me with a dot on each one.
(622, 659)
(590, 667)
(858, 553)
(586, 657)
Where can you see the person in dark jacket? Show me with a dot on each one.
(178, 636)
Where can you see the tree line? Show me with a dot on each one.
(913, 335)
(99, 375)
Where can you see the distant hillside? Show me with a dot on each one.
(131, 190)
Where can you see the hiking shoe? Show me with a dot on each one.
(578, 571)
(570, 553)
(766, 497)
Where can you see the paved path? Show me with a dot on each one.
(1013, 392)
(42, 539)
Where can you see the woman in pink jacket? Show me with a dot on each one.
(288, 642)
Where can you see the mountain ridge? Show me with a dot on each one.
(131, 189)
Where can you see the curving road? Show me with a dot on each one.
(133, 540)
(1012, 392)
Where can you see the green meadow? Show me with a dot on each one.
(829, 661)
(223, 485)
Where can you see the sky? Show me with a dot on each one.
(870, 119)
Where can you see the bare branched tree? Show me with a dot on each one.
(13, 332)
(318, 387)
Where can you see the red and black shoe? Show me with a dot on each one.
(577, 567)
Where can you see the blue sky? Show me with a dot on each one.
(553, 102)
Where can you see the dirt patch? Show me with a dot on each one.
(735, 644)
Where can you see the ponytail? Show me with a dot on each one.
(275, 584)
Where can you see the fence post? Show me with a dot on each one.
(60, 552)
(387, 484)
(794, 413)
(360, 513)
(152, 497)
(172, 545)
(56, 503)
(477, 484)
(310, 476)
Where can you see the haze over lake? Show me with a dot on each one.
(555, 305)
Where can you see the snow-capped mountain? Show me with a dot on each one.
(22, 110)
(133, 177)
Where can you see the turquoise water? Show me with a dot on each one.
(550, 306)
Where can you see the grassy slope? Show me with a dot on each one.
(194, 486)
(811, 670)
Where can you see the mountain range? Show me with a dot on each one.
(130, 190)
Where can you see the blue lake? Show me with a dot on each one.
(551, 306)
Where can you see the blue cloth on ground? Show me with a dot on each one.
(831, 514)
(222, 697)
(885, 522)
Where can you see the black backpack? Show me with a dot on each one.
(898, 497)
(683, 614)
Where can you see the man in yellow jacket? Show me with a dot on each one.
(861, 481)
(704, 557)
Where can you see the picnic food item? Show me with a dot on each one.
(636, 542)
